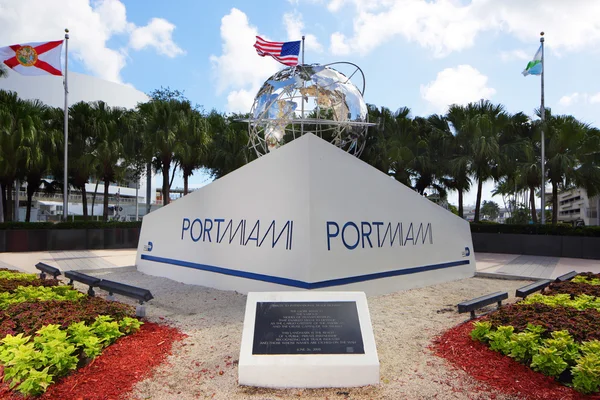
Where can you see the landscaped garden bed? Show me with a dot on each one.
(53, 336)
(546, 346)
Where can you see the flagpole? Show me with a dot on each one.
(543, 118)
(66, 132)
(302, 98)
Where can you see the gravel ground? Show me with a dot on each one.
(205, 364)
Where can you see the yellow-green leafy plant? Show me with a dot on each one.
(499, 339)
(38, 293)
(17, 275)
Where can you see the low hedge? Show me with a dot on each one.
(69, 225)
(554, 230)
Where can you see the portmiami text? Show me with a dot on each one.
(241, 232)
(352, 235)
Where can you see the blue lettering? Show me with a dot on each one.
(207, 229)
(411, 233)
(397, 232)
(199, 221)
(272, 226)
(347, 224)
(366, 234)
(331, 235)
(378, 224)
(218, 221)
(184, 227)
(290, 234)
(424, 233)
(228, 227)
(241, 224)
(257, 228)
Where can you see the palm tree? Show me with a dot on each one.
(192, 154)
(82, 160)
(460, 122)
(162, 120)
(3, 71)
(229, 146)
(481, 123)
(110, 125)
(572, 156)
(15, 122)
(38, 149)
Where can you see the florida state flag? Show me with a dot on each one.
(39, 58)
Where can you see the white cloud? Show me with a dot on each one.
(294, 25)
(579, 98)
(239, 68)
(91, 25)
(515, 55)
(240, 101)
(158, 34)
(335, 5)
(459, 85)
(569, 99)
(338, 45)
(445, 26)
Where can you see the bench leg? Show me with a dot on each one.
(140, 311)
(500, 304)
(472, 314)
(42, 275)
(91, 292)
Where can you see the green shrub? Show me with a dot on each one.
(581, 302)
(549, 361)
(523, 346)
(31, 365)
(106, 329)
(38, 293)
(481, 330)
(586, 374)
(590, 347)
(585, 279)
(499, 340)
(11, 275)
(534, 229)
(69, 225)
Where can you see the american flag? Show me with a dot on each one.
(284, 52)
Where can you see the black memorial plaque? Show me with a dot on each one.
(315, 327)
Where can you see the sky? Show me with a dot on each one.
(421, 54)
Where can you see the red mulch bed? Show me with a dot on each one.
(114, 373)
(498, 371)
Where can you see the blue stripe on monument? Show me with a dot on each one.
(300, 284)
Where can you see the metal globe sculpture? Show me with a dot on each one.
(309, 98)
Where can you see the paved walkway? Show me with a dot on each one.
(488, 264)
(80, 260)
(531, 267)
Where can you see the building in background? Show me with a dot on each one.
(575, 207)
(49, 89)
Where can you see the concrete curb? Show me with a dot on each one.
(130, 268)
(493, 275)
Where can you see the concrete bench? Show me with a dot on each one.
(479, 302)
(91, 281)
(47, 269)
(133, 292)
(532, 288)
(567, 276)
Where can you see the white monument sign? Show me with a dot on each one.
(306, 216)
(308, 340)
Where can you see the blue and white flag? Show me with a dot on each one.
(534, 67)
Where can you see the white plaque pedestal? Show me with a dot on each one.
(308, 370)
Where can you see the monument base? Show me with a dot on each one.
(308, 340)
